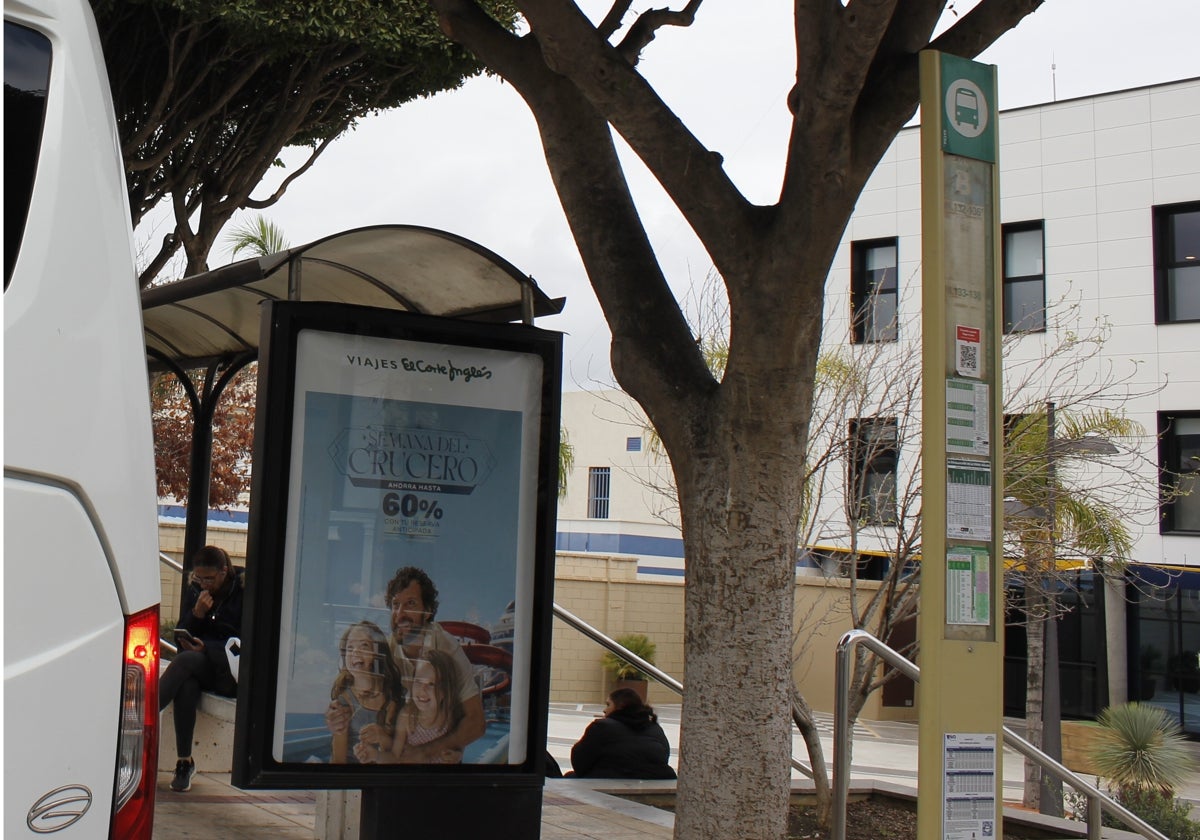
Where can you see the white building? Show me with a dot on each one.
(619, 496)
(1100, 228)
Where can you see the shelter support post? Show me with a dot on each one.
(507, 812)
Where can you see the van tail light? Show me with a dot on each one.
(137, 749)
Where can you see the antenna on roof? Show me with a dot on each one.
(1053, 78)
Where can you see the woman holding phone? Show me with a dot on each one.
(211, 615)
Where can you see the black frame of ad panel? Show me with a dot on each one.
(254, 764)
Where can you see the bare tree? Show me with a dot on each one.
(862, 491)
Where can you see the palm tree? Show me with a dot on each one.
(257, 235)
(566, 461)
(1052, 520)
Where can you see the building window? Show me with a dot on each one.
(26, 78)
(873, 470)
(598, 484)
(1024, 278)
(873, 291)
(1179, 448)
(1177, 263)
(633, 444)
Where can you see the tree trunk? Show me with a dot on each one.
(1035, 646)
(740, 578)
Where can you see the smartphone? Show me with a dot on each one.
(182, 635)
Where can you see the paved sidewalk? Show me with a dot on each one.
(884, 752)
(215, 810)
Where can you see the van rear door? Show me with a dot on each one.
(80, 538)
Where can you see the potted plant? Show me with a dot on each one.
(624, 673)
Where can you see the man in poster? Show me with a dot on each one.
(412, 599)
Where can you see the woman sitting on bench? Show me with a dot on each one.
(211, 615)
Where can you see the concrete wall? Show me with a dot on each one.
(605, 592)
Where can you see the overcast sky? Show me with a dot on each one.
(470, 162)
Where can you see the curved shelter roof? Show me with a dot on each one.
(214, 317)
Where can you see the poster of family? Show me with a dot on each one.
(408, 558)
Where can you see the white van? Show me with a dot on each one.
(81, 587)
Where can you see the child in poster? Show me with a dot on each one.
(369, 686)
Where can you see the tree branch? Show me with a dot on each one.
(646, 27)
(652, 347)
(612, 21)
(691, 174)
(983, 25)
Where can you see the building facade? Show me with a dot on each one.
(1099, 245)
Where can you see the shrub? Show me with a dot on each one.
(636, 643)
(1143, 757)
(1161, 810)
(1141, 748)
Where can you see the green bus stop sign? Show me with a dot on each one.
(969, 108)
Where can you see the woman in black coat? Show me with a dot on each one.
(212, 614)
(627, 743)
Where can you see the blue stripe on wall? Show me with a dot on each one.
(239, 517)
(1168, 576)
(659, 570)
(619, 544)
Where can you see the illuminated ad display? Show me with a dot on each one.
(404, 551)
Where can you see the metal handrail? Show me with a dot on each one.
(659, 675)
(170, 561)
(177, 566)
(614, 646)
(1097, 801)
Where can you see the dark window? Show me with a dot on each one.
(598, 484)
(1179, 447)
(873, 470)
(1177, 263)
(873, 291)
(1082, 648)
(1163, 637)
(26, 78)
(1024, 278)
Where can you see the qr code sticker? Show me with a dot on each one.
(968, 358)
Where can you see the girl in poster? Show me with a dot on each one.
(434, 707)
(369, 685)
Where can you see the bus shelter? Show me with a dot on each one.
(211, 321)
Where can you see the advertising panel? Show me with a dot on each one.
(400, 524)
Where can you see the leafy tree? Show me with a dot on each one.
(1050, 514)
(233, 436)
(208, 92)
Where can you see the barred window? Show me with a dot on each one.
(598, 487)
